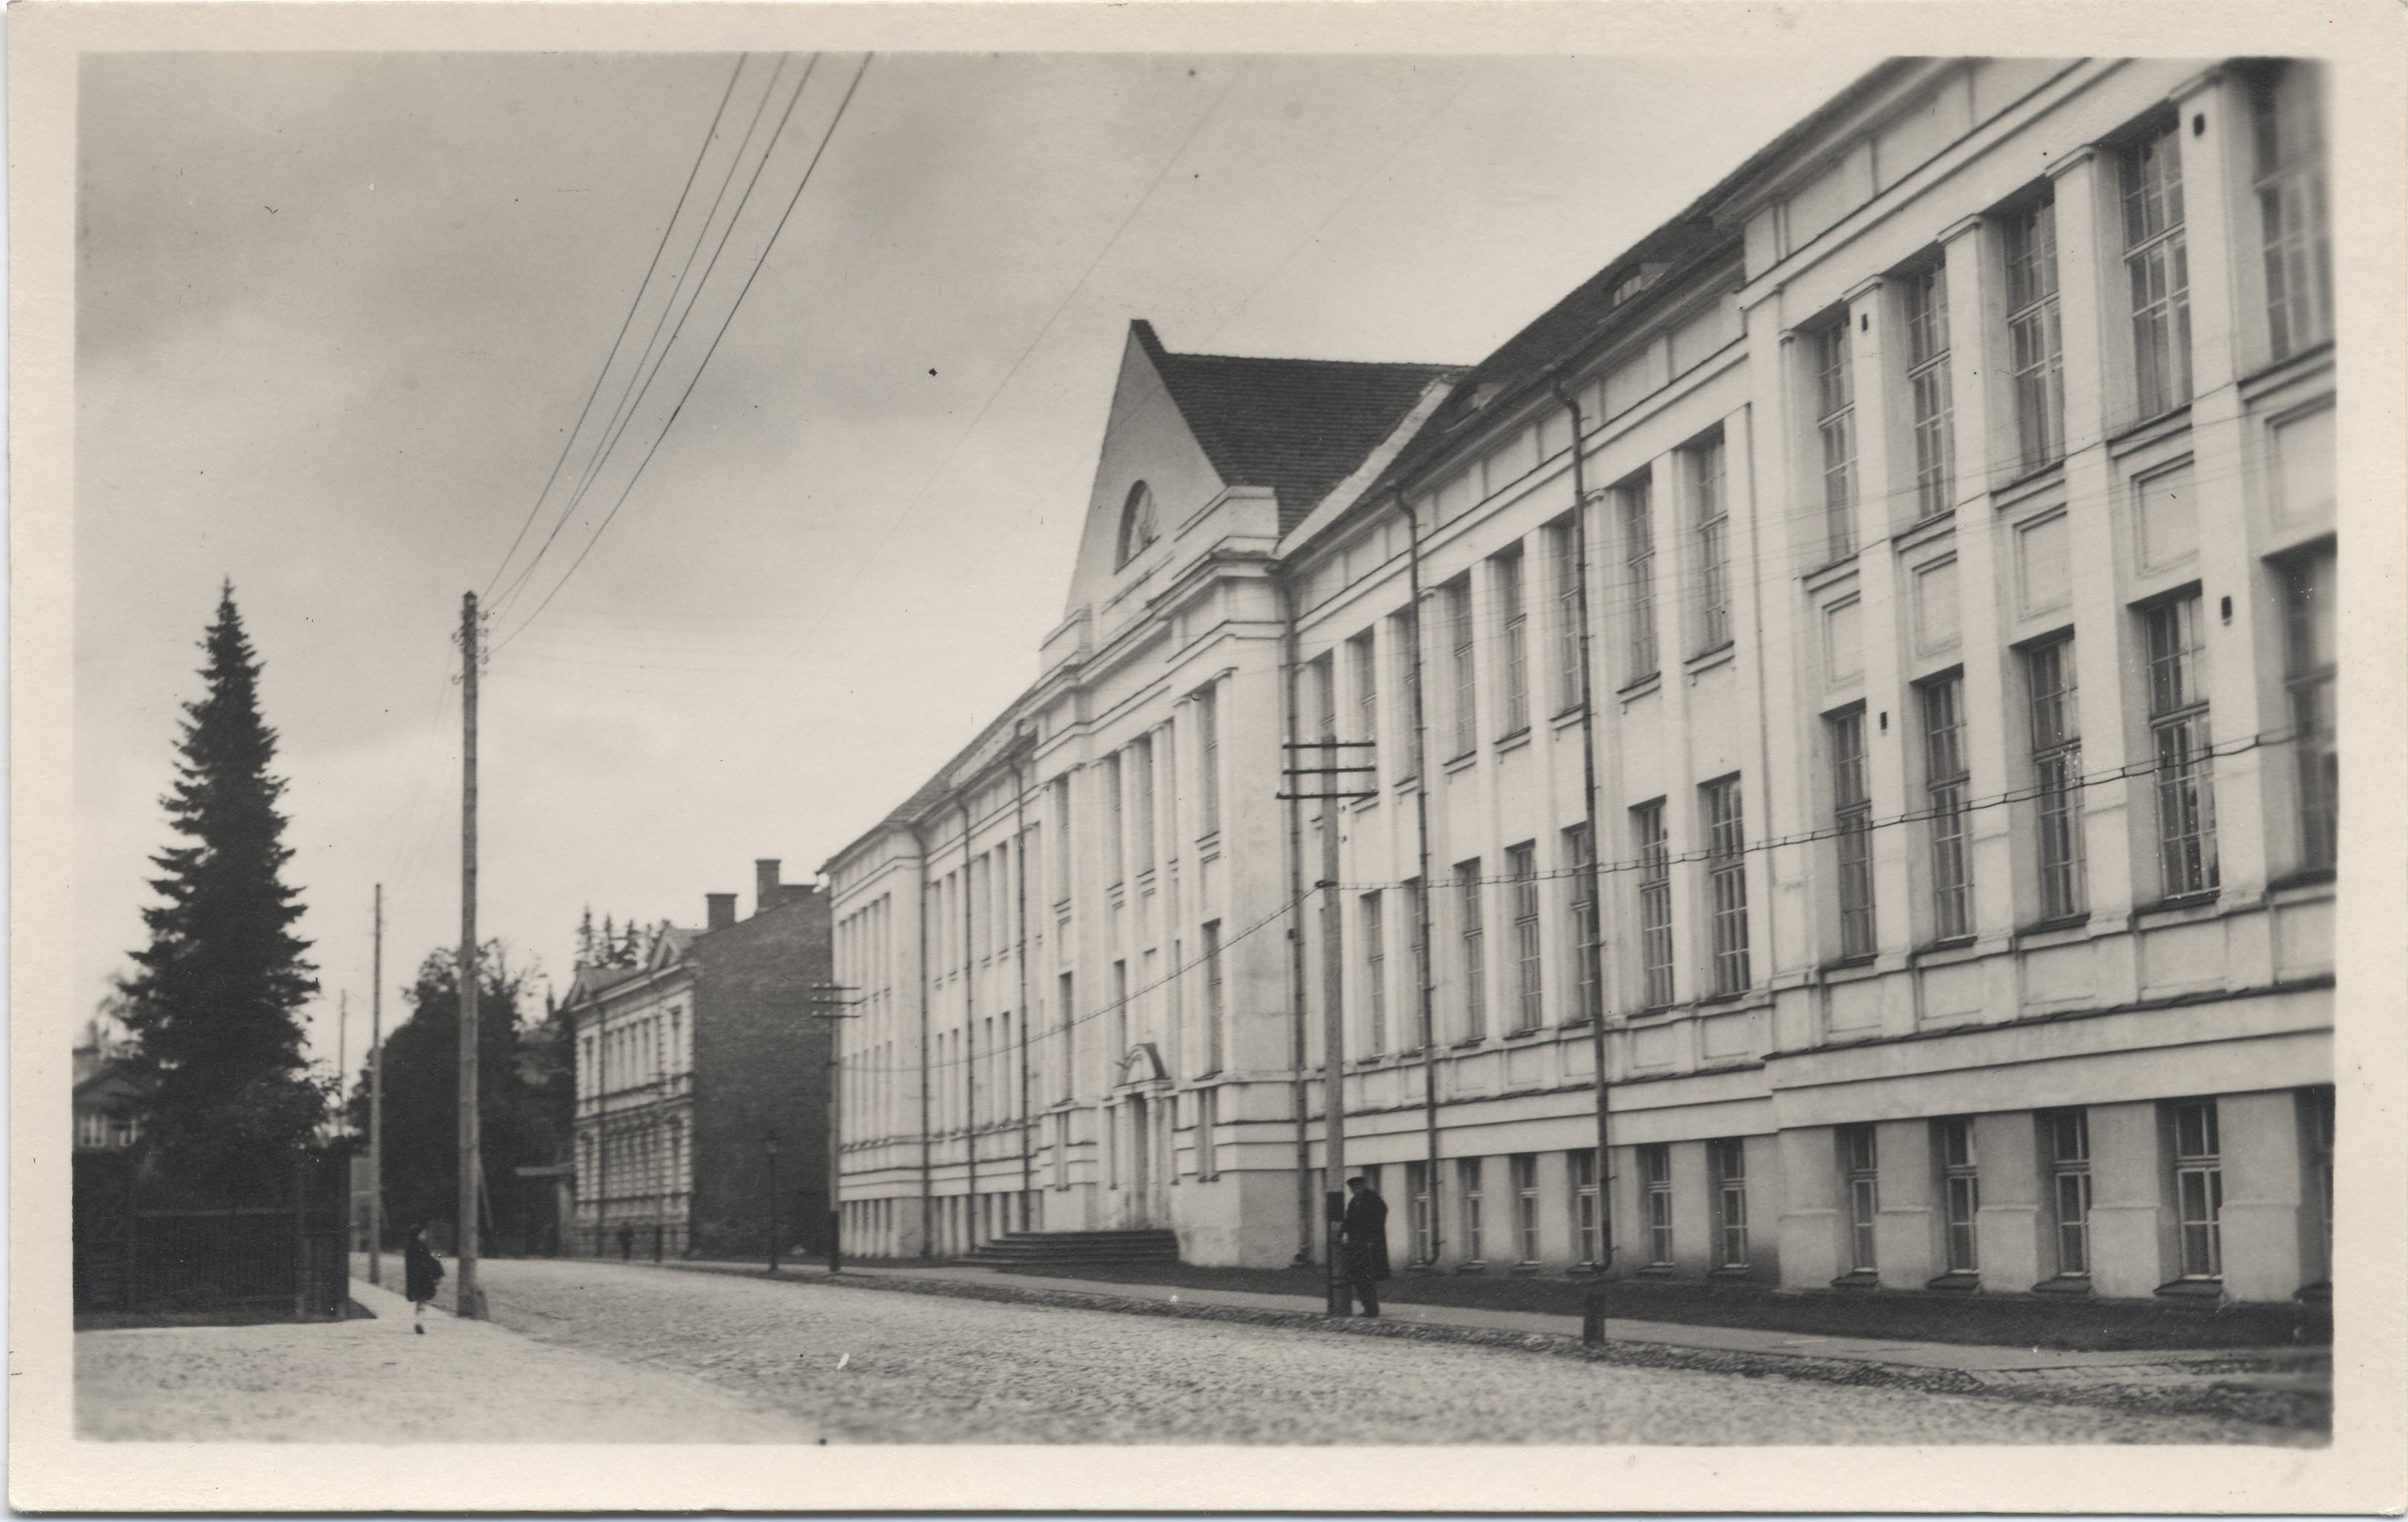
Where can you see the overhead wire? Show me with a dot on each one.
(640, 378)
(612, 355)
(745, 290)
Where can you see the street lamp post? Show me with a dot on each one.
(769, 1150)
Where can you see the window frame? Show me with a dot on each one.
(2294, 207)
(1728, 1158)
(1529, 981)
(2311, 674)
(1861, 1184)
(1372, 917)
(2197, 1163)
(1523, 1170)
(1835, 432)
(2181, 744)
(1655, 1188)
(2066, 1152)
(1472, 949)
(1636, 511)
(1464, 684)
(1725, 867)
(1657, 957)
(1852, 824)
(2156, 255)
(1710, 496)
(2035, 333)
(1947, 784)
(1508, 572)
(1961, 1194)
(2052, 724)
(1930, 416)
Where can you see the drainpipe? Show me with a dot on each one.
(1020, 972)
(1295, 939)
(1594, 952)
(1422, 926)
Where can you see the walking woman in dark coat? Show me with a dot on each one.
(422, 1272)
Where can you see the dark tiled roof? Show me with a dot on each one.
(1297, 425)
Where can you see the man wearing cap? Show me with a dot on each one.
(1364, 1233)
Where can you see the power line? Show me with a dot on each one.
(631, 397)
(791, 202)
(610, 356)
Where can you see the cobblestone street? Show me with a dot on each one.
(869, 1366)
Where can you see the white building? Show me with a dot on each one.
(1953, 520)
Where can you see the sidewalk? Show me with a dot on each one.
(376, 1381)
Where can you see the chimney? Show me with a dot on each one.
(719, 911)
(764, 885)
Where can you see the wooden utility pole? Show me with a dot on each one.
(376, 1098)
(471, 1304)
(342, 1044)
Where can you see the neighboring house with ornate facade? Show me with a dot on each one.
(1863, 663)
(687, 1066)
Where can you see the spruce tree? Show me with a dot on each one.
(213, 1007)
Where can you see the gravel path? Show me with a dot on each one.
(869, 1366)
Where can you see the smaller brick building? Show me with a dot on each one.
(688, 1065)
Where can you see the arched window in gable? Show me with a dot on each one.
(1138, 527)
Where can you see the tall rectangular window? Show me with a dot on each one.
(1513, 615)
(1835, 426)
(1563, 542)
(1582, 1171)
(2198, 1189)
(1526, 1207)
(1115, 839)
(1067, 1046)
(1654, 905)
(1851, 812)
(1467, 1177)
(1521, 867)
(1364, 660)
(1207, 1133)
(1639, 575)
(1143, 753)
(1463, 667)
(1061, 841)
(2067, 1133)
(2179, 735)
(1406, 640)
(2157, 267)
(1417, 899)
(2056, 778)
(2318, 1105)
(1216, 1018)
(1424, 1219)
(2293, 221)
(1655, 1175)
(1475, 957)
(1860, 1173)
(1727, 885)
(1705, 462)
(1926, 379)
(1960, 1195)
(1730, 1160)
(1119, 1012)
(2035, 338)
(1321, 702)
(1375, 973)
(1945, 785)
(1207, 740)
(1580, 857)
(2309, 669)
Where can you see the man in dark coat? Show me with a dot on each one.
(1364, 1233)
(421, 1273)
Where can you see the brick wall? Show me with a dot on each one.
(760, 1064)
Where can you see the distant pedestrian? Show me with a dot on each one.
(1364, 1233)
(421, 1273)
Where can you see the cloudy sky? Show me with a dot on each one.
(337, 316)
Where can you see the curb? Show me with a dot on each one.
(2287, 1409)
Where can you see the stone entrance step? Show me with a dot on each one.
(1022, 1248)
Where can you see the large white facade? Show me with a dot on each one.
(1953, 512)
